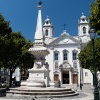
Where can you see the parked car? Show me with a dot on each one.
(5, 84)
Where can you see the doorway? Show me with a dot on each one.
(75, 78)
(65, 76)
(56, 77)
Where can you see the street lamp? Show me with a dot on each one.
(81, 78)
(80, 67)
(96, 92)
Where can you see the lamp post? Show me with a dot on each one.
(96, 92)
(77, 79)
(80, 79)
(80, 68)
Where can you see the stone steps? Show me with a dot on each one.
(43, 96)
(41, 89)
(42, 92)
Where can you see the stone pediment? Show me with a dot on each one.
(65, 38)
(65, 65)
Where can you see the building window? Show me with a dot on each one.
(5, 70)
(86, 74)
(74, 54)
(84, 29)
(56, 55)
(46, 32)
(65, 55)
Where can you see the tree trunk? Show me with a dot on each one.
(10, 77)
(24, 74)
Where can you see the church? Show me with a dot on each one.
(63, 60)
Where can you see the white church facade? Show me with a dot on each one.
(63, 58)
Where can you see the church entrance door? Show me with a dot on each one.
(65, 77)
(56, 77)
(75, 78)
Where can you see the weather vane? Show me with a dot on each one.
(64, 26)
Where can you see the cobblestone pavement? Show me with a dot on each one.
(85, 94)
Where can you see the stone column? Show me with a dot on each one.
(70, 77)
(60, 76)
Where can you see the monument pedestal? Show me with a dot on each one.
(38, 77)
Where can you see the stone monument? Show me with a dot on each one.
(39, 74)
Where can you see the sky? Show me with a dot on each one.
(22, 15)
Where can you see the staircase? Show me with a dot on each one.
(41, 92)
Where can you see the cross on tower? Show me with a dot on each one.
(64, 26)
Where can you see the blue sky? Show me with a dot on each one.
(22, 14)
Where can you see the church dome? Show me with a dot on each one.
(83, 18)
(47, 21)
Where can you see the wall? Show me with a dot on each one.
(87, 77)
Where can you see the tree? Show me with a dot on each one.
(5, 30)
(86, 58)
(95, 16)
(13, 48)
(16, 53)
(27, 60)
(4, 26)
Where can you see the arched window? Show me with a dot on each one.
(65, 55)
(84, 29)
(46, 32)
(56, 55)
(74, 55)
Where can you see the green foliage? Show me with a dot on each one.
(27, 58)
(5, 30)
(86, 55)
(4, 26)
(95, 16)
(13, 48)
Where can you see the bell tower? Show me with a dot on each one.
(48, 29)
(83, 29)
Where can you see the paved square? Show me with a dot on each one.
(85, 94)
